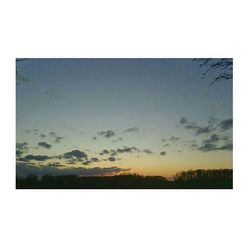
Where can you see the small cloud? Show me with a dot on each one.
(226, 124)
(111, 158)
(44, 145)
(75, 155)
(163, 153)
(134, 129)
(107, 134)
(43, 136)
(184, 120)
(147, 151)
(37, 157)
(51, 93)
(58, 139)
(104, 152)
(174, 139)
(21, 148)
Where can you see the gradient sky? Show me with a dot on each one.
(160, 114)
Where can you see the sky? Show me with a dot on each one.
(114, 116)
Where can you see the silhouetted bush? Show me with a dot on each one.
(210, 178)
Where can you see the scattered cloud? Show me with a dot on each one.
(44, 145)
(51, 93)
(92, 160)
(163, 153)
(174, 139)
(75, 155)
(57, 139)
(37, 157)
(111, 158)
(226, 124)
(147, 151)
(43, 136)
(107, 134)
(21, 148)
(134, 129)
(211, 144)
(127, 150)
(197, 128)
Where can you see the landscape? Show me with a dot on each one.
(124, 123)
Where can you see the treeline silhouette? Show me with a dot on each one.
(192, 179)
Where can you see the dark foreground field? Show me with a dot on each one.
(194, 179)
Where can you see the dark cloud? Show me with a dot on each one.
(111, 158)
(127, 150)
(44, 145)
(43, 136)
(104, 152)
(114, 152)
(75, 155)
(134, 129)
(147, 151)
(53, 134)
(211, 144)
(107, 134)
(197, 128)
(51, 93)
(163, 153)
(21, 148)
(58, 139)
(166, 145)
(37, 157)
(174, 139)
(94, 138)
(184, 120)
(226, 124)
(24, 169)
(92, 160)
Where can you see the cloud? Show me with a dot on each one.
(104, 152)
(163, 153)
(226, 124)
(43, 136)
(211, 144)
(57, 139)
(134, 129)
(51, 93)
(147, 151)
(127, 150)
(75, 155)
(53, 134)
(111, 158)
(92, 160)
(184, 120)
(166, 145)
(24, 169)
(114, 152)
(107, 134)
(197, 128)
(174, 139)
(37, 157)
(21, 148)
(44, 145)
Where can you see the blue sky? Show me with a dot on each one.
(78, 98)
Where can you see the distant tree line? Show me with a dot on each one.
(202, 179)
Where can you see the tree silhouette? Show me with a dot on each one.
(223, 68)
(20, 78)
